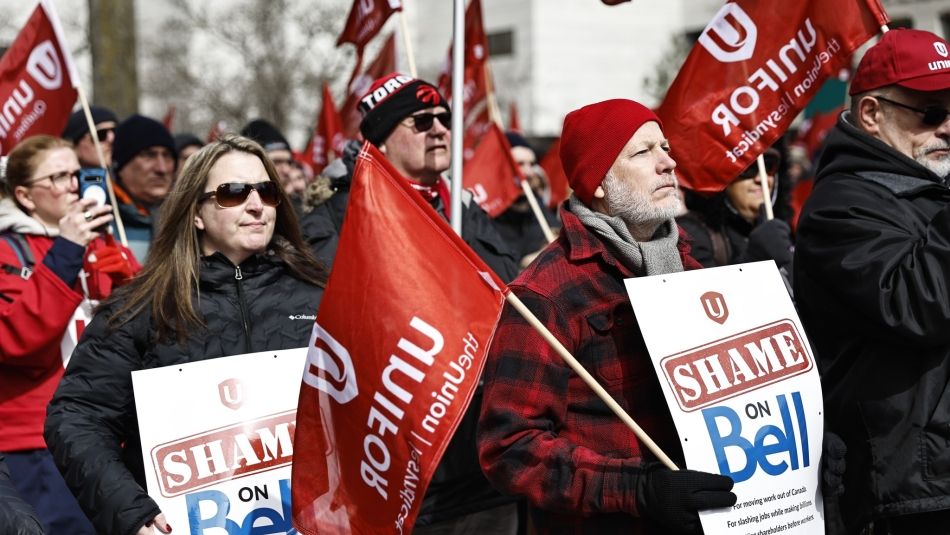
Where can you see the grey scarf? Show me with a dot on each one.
(655, 257)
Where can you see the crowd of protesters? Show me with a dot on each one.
(244, 224)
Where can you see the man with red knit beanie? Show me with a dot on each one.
(543, 434)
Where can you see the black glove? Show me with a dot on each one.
(672, 498)
(350, 152)
(832, 481)
(770, 240)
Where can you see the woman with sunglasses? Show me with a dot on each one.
(227, 269)
(55, 265)
(730, 227)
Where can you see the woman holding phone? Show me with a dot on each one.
(227, 269)
(54, 266)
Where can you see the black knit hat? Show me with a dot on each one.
(138, 133)
(517, 140)
(266, 134)
(391, 99)
(187, 139)
(76, 126)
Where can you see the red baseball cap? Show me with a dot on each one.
(914, 59)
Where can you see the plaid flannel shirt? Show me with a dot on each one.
(543, 433)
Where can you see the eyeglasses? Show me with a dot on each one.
(61, 180)
(232, 194)
(423, 121)
(933, 115)
(103, 133)
(772, 162)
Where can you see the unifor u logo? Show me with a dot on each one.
(231, 392)
(714, 304)
(366, 7)
(941, 48)
(43, 65)
(730, 37)
(329, 367)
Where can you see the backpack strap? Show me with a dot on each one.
(24, 255)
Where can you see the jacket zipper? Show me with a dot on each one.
(238, 276)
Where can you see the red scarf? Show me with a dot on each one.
(433, 193)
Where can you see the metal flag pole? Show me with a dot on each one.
(458, 112)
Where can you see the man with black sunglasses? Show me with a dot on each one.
(409, 120)
(77, 131)
(872, 272)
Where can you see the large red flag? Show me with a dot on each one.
(384, 64)
(365, 20)
(551, 163)
(492, 174)
(327, 141)
(37, 80)
(394, 360)
(740, 87)
(475, 86)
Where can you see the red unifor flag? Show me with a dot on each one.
(477, 123)
(218, 128)
(551, 163)
(37, 80)
(394, 359)
(384, 64)
(365, 20)
(475, 86)
(755, 66)
(327, 141)
(492, 174)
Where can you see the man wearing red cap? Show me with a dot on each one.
(872, 272)
(543, 433)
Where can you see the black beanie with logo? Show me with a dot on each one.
(391, 99)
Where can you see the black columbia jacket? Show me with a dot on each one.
(872, 282)
(257, 306)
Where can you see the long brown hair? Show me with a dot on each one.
(169, 279)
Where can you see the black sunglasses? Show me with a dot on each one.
(232, 194)
(424, 121)
(933, 115)
(771, 167)
(103, 133)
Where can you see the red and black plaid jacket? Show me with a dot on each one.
(543, 433)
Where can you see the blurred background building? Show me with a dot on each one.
(234, 60)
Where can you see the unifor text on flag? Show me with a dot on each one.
(37, 80)
(754, 67)
(394, 360)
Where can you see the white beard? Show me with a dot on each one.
(635, 209)
(939, 167)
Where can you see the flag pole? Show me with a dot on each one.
(102, 163)
(495, 115)
(589, 379)
(407, 43)
(458, 115)
(766, 194)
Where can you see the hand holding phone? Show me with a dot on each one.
(92, 184)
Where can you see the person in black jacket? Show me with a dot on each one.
(229, 235)
(872, 271)
(408, 119)
(730, 227)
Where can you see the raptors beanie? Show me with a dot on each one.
(391, 99)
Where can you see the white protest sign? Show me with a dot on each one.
(743, 388)
(217, 441)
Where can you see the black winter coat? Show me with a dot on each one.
(872, 281)
(256, 306)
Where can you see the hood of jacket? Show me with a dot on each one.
(13, 219)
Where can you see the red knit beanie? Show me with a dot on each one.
(593, 137)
